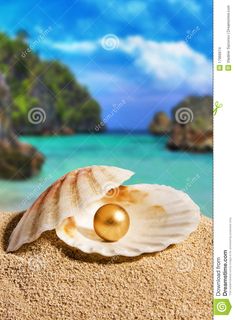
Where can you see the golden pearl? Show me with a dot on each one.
(111, 222)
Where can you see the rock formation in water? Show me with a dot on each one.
(17, 160)
(161, 124)
(192, 128)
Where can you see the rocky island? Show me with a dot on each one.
(191, 126)
(46, 97)
(161, 124)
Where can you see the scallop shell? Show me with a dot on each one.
(65, 198)
(159, 215)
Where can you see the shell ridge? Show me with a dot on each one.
(30, 213)
(93, 182)
(75, 190)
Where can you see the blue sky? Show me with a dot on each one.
(135, 56)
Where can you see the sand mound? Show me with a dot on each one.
(48, 280)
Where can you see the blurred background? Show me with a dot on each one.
(125, 83)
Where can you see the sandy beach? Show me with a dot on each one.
(48, 280)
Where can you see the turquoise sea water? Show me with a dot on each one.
(146, 155)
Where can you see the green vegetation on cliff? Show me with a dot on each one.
(18, 160)
(49, 85)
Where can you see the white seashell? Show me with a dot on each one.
(65, 198)
(159, 215)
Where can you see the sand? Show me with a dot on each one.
(48, 280)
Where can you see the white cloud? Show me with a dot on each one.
(170, 63)
(73, 46)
